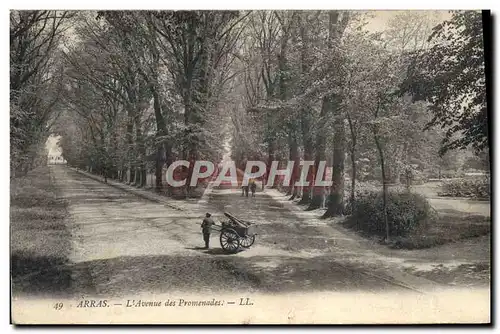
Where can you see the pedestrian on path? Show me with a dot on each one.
(253, 187)
(244, 191)
(105, 174)
(206, 226)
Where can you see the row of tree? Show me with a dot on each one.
(36, 77)
(147, 88)
(321, 87)
(134, 91)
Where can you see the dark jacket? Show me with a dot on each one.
(207, 224)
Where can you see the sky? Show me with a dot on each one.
(52, 147)
(382, 17)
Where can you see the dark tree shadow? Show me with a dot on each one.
(40, 275)
(220, 251)
(195, 248)
(214, 251)
(129, 275)
(134, 275)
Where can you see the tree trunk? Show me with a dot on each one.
(317, 195)
(192, 159)
(335, 30)
(271, 155)
(136, 176)
(336, 197)
(159, 168)
(193, 119)
(168, 162)
(353, 161)
(294, 156)
(144, 177)
(141, 150)
(384, 185)
(130, 144)
(308, 153)
(123, 173)
(305, 113)
(161, 131)
(353, 177)
(284, 92)
(306, 190)
(408, 169)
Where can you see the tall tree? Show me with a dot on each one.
(450, 76)
(331, 107)
(196, 43)
(336, 196)
(36, 81)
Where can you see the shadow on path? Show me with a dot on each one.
(40, 275)
(214, 251)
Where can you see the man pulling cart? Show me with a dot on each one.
(234, 233)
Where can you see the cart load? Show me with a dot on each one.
(235, 233)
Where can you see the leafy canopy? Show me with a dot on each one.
(450, 76)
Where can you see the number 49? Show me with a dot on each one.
(58, 306)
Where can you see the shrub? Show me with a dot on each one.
(467, 187)
(418, 178)
(405, 212)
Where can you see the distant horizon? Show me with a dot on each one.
(52, 145)
(382, 17)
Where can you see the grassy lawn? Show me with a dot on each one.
(451, 221)
(40, 240)
(467, 275)
(448, 227)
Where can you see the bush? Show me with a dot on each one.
(445, 174)
(418, 178)
(405, 212)
(467, 187)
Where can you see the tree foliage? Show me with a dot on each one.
(132, 91)
(450, 76)
(36, 81)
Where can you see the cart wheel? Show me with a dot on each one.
(229, 240)
(247, 241)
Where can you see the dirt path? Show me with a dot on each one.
(123, 244)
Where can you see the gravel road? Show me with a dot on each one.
(122, 244)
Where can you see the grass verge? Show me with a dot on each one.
(464, 275)
(446, 228)
(39, 236)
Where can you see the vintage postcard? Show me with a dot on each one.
(250, 167)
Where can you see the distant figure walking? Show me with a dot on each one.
(244, 191)
(206, 228)
(105, 174)
(253, 187)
